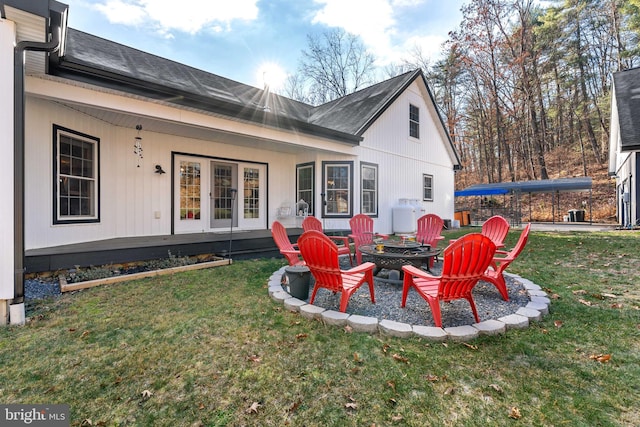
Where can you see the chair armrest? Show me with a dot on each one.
(502, 258)
(437, 239)
(286, 251)
(414, 271)
(343, 239)
(382, 236)
(360, 268)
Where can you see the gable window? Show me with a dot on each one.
(414, 121)
(337, 179)
(75, 176)
(427, 187)
(305, 177)
(369, 186)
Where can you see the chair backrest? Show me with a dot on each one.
(429, 228)
(312, 223)
(321, 256)
(361, 229)
(463, 264)
(281, 238)
(496, 228)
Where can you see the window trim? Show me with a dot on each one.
(57, 218)
(416, 121)
(312, 166)
(424, 187)
(349, 165)
(373, 166)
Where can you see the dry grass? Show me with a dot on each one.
(211, 348)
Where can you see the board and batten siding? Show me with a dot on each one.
(131, 197)
(402, 160)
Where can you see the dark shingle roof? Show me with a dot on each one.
(103, 62)
(627, 89)
(354, 112)
(125, 68)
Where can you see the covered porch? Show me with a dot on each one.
(243, 245)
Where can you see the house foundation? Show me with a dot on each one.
(17, 314)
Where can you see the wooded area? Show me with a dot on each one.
(519, 82)
(524, 90)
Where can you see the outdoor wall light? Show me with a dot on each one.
(159, 170)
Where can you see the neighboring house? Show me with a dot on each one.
(624, 144)
(119, 143)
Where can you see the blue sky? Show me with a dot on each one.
(239, 39)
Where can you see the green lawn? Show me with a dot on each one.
(211, 348)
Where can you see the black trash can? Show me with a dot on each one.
(572, 215)
(297, 280)
(580, 215)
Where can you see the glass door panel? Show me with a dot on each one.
(224, 203)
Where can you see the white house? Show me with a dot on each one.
(111, 142)
(624, 144)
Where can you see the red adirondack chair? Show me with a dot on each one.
(463, 263)
(362, 233)
(496, 228)
(313, 223)
(321, 256)
(287, 249)
(429, 229)
(500, 263)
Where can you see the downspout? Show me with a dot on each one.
(18, 146)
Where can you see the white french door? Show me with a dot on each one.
(252, 196)
(211, 194)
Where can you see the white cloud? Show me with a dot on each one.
(372, 20)
(430, 46)
(375, 22)
(120, 12)
(190, 16)
(403, 3)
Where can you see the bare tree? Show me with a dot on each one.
(335, 64)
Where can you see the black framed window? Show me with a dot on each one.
(369, 188)
(337, 182)
(427, 187)
(75, 177)
(414, 121)
(305, 178)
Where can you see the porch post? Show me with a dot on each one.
(7, 41)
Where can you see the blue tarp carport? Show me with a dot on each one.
(480, 192)
(538, 186)
(552, 186)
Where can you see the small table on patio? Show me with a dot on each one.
(396, 254)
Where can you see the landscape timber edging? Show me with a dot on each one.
(67, 287)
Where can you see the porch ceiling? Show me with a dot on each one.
(151, 124)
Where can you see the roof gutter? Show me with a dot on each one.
(57, 24)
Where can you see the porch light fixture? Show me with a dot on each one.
(137, 145)
(159, 170)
